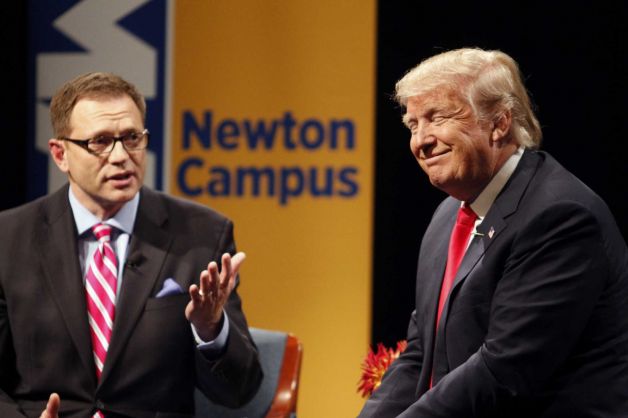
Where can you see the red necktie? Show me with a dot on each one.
(457, 247)
(100, 290)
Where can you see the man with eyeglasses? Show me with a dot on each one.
(110, 302)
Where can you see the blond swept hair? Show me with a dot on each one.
(490, 81)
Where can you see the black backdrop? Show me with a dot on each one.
(574, 58)
(13, 124)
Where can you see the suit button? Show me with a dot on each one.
(100, 404)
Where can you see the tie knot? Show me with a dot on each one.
(466, 216)
(102, 232)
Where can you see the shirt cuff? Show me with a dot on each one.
(217, 345)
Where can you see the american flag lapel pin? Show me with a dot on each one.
(491, 232)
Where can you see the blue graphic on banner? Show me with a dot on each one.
(68, 38)
(196, 176)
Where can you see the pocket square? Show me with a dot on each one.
(170, 288)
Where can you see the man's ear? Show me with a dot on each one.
(501, 125)
(58, 153)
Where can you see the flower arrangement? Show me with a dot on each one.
(375, 365)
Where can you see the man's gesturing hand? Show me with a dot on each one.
(52, 408)
(207, 300)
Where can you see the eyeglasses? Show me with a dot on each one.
(104, 144)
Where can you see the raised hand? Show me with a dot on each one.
(208, 298)
(52, 407)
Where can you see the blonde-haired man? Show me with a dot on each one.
(522, 276)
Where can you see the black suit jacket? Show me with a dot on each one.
(536, 324)
(152, 363)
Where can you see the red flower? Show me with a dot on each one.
(375, 365)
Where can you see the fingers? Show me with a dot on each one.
(209, 279)
(212, 292)
(236, 262)
(230, 268)
(213, 283)
(52, 407)
(226, 270)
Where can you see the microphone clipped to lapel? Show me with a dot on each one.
(134, 260)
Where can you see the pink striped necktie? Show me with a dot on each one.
(100, 290)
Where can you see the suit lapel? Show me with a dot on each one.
(147, 252)
(58, 247)
(430, 276)
(495, 221)
(431, 271)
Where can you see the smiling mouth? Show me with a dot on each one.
(433, 158)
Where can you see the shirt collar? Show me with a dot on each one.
(123, 220)
(485, 199)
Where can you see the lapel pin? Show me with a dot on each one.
(491, 232)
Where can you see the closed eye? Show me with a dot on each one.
(408, 121)
(439, 117)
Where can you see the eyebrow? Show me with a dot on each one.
(118, 132)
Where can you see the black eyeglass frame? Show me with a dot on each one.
(84, 143)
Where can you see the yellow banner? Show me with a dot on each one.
(272, 115)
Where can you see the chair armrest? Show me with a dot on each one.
(284, 404)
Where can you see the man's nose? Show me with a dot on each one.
(118, 153)
(422, 135)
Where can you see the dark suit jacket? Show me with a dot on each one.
(536, 324)
(152, 364)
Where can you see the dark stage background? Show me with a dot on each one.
(574, 58)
